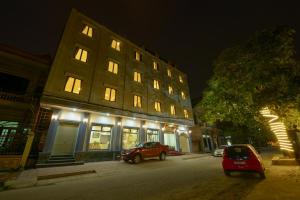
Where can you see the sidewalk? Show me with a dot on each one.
(42, 176)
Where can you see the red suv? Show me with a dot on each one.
(242, 157)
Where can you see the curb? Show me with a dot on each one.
(52, 176)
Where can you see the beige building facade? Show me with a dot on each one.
(108, 94)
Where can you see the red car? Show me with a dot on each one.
(146, 150)
(242, 157)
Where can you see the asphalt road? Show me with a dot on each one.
(176, 178)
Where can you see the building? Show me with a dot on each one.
(108, 94)
(22, 78)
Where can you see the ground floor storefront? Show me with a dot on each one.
(94, 136)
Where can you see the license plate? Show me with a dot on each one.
(239, 162)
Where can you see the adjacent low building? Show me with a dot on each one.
(108, 94)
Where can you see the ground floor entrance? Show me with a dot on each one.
(184, 143)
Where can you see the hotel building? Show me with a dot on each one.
(108, 94)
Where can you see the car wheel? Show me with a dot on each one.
(162, 156)
(126, 161)
(262, 175)
(136, 159)
(227, 172)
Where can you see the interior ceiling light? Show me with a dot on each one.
(278, 129)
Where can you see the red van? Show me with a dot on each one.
(242, 157)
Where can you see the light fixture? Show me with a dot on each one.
(278, 129)
(107, 114)
(144, 126)
(190, 131)
(119, 123)
(163, 128)
(54, 117)
(85, 120)
(134, 118)
(74, 109)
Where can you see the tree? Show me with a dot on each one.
(258, 73)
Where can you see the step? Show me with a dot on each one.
(60, 160)
(61, 156)
(43, 165)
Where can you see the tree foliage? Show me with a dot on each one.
(247, 77)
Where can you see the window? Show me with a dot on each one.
(152, 135)
(183, 95)
(81, 55)
(130, 138)
(87, 30)
(172, 109)
(180, 79)
(170, 90)
(157, 106)
(185, 112)
(110, 94)
(169, 73)
(100, 137)
(115, 45)
(138, 56)
(155, 66)
(73, 85)
(156, 84)
(137, 102)
(113, 67)
(137, 77)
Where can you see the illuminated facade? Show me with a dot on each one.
(108, 94)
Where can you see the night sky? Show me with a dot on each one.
(188, 33)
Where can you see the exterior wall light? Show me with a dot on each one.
(85, 120)
(74, 109)
(190, 131)
(144, 126)
(163, 128)
(119, 123)
(54, 117)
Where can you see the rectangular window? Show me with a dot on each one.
(81, 55)
(185, 112)
(137, 77)
(183, 95)
(156, 84)
(100, 137)
(172, 109)
(152, 135)
(180, 79)
(138, 56)
(155, 66)
(137, 102)
(157, 106)
(170, 90)
(73, 85)
(113, 67)
(169, 73)
(110, 94)
(130, 138)
(115, 45)
(88, 31)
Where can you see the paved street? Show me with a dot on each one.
(182, 177)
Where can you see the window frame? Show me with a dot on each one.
(89, 28)
(156, 84)
(137, 101)
(157, 104)
(90, 135)
(138, 75)
(110, 94)
(117, 46)
(172, 109)
(113, 67)
(73, 85)
(77, 49)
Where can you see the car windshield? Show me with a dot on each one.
(238, 152)
(139, 145)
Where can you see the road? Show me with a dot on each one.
(176, 178)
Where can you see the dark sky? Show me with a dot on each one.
(188, 33)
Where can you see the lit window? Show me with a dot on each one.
(156, 84)
(100, 137)
(113, 67)
(137, 102)
(138, 56)
(157, 106)
(81, 55)
(137, 77)
(170, 90)
(110, 94)
(115, 45)
(180, 79)
(87, 30)
(152, 135)
(73, 85)
(172, 109)
(130, 138)
(183, 95)
(155, 65)
(169, 73)
(185, 112)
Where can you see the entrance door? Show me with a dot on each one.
(184, 143)
(169, 139)
(65, 139)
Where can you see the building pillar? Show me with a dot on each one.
(161, 133)
(82, 132)
(177, 140)
(143, 131)
(117, 135)
(51, 132)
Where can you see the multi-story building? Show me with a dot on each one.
(22, 78)
(108, 94)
